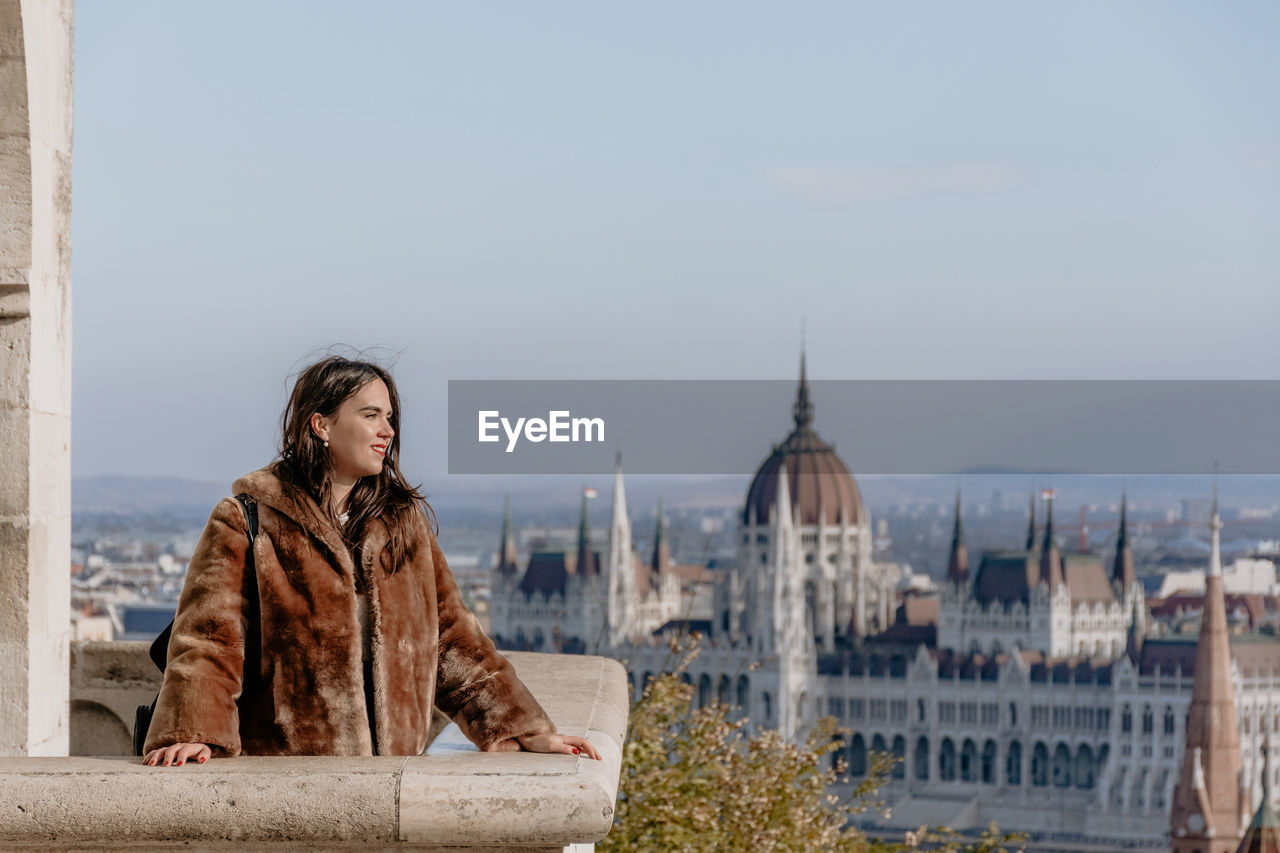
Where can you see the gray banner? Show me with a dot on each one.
(877, 426)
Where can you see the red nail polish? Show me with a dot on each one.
(575, 750)
(202, 759)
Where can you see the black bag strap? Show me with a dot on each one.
(160, 646)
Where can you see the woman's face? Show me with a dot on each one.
(359, 433)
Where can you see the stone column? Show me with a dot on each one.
(35, 374)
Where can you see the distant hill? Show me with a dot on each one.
(125, 495)
(553, 495)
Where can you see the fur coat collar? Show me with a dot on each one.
(269, 660)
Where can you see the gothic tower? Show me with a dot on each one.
(1123, 573)
(620, 611)
(844, 595)
(507, 567)
(1207, 802)
(958, 565)
(1050, 558)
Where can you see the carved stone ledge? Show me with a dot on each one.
(454, 797)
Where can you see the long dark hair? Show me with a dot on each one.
(304, 461)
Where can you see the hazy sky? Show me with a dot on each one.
(585, 190)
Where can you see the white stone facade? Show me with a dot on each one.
(832, 567)
(1049, 621)
(593, 613)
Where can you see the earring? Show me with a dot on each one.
(326, 442)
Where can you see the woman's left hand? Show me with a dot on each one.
(569, 744)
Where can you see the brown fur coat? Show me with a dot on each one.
(268, 662)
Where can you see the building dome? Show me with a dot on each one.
(817, 478)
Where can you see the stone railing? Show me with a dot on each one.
(454, 797)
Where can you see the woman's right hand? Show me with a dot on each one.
(178, 754)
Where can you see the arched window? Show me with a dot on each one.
(1040, 766)
(704, 691)
(522, 639)
(722, 690)
(922, 759)
(1138, 795)
(1126, 720)
(1148, 720)
(538, 638)
(811, 604)
(1168, 720)
(968, 762)
(1084, 767)
(947, 761)
(1158, 794)
(767, 701)
(1117, 787)
(838, 747)
(648, 676)
(989, 763)
(1062, 766)
(921, 712)
(1013, 764)
(900, 752)
(878, 745)
(857, 756)
(1013, 713)
(744, 689)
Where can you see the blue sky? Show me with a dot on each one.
(581, 190)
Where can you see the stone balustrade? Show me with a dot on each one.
(454, 797)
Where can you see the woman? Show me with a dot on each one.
(346, 627)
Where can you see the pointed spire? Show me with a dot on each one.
(1050, 559)
(619, 493)
(619, 567)
(1124, 573)
(507, 550)
(803, 409)
(661, 550)
(586, 559)
(958, 565)
(1134, 636)
(1031, 522)
(782, 505)
(619, 523)
(1206, 801)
